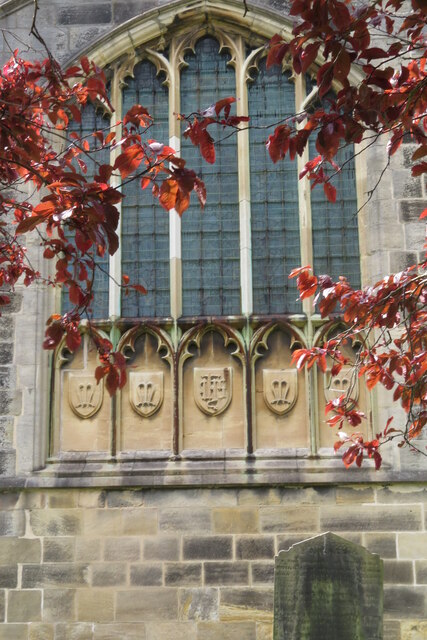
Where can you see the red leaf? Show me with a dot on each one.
(324, 78)
(139, 288)
(225, 104)
(137, 115)
(100, 373)
(278, 144)
(207, 146)
(306, 284)
(73, 338)
(53, 335)
(394, 143)
(129, 160)
(321, 363)
(419, 169)
(378, 460)
(168, 193)
(112, 381)
(85, 64)
(342, 66)
(330, 191)
(28, 224)
(308, 56)
(298, 270)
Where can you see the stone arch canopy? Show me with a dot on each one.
(157, 23)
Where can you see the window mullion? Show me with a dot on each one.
(114, 304)
(304, 197)
(174, 218)
(244, 183)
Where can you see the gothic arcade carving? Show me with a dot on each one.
(280, 398)
(212, 392)
(330, 387)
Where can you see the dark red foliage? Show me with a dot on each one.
(77, 219)
(388, 98)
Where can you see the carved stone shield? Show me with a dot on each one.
(84, 395)
(146, 391)
(340, 384)
(280, 389)
(213, 389)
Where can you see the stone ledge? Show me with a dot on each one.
(243, 472)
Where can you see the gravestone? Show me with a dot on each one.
(327, 588)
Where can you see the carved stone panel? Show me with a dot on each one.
(280, 389)
(82, 420)
(332, 387)
(146, 401)
(84, 394)
(146, 391)
(281, 420)
(213, 409)
(340, 384)
(213, 389)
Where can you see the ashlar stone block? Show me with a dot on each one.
(41, 631)
(146, 575)
(254, 603)
(235, 520)
(133, 631)
(24, 605)
(155, 604)
(95, 605)
(59, 605)
(199, 604)
(226, 631)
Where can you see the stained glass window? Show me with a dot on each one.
(217, 264)
(93, 119)
(145, 224)
(274, 197)
(210, 238)
(335, 225)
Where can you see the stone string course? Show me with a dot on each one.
(194, 564)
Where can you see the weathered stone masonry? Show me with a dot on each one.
(104, 552)
(196, 563)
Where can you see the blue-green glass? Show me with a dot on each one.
(145, 224)
(335, 227)
(210, 238)
(93, 120)
(274, 197)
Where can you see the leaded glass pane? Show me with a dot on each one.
(335, 226)
(91, 121)
(274, 197)
(145, 224)
(210, 238)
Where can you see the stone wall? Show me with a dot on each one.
(195, 563)
(192, 564)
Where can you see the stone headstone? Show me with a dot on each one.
(326, 588)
